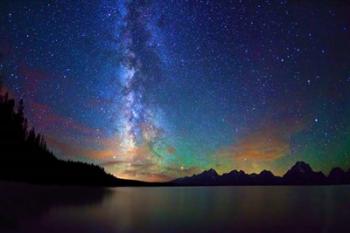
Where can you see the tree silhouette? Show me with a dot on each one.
(24, 155)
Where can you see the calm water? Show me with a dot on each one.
(38, 209)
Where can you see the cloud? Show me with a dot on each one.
(71, 150)
(268, 142)
(171, 150)
(44, 117)
(134, 163)
(141, 164)
(4, 90)
(258, 146)
(152, 172)
(182, 171)
(33, 78)
(145, 175)
(5, 48)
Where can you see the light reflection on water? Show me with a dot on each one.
(183, 209)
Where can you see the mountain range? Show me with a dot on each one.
(299, 174)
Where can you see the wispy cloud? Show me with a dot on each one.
(266, 143)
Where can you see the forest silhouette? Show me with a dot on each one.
(24, 154)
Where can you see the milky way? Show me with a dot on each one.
(137, 124)
(138, 119)
(154, 90)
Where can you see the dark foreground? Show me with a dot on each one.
(28, 208)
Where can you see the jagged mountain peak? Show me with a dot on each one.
(266, 173)
(210, 172)
(336, 170)
(301, 167)
(235, 172)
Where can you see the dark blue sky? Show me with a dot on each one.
(158, 89)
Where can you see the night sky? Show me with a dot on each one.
(154, 90)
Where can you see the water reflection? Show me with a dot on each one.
(197, 209)
(22, 205)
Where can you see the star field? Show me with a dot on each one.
(154, 90)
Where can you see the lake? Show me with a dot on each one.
(30, 208)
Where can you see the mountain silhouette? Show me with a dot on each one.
(209, 177)
(338, 176)
(235, 178)
(266, 177)
(299, 174)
